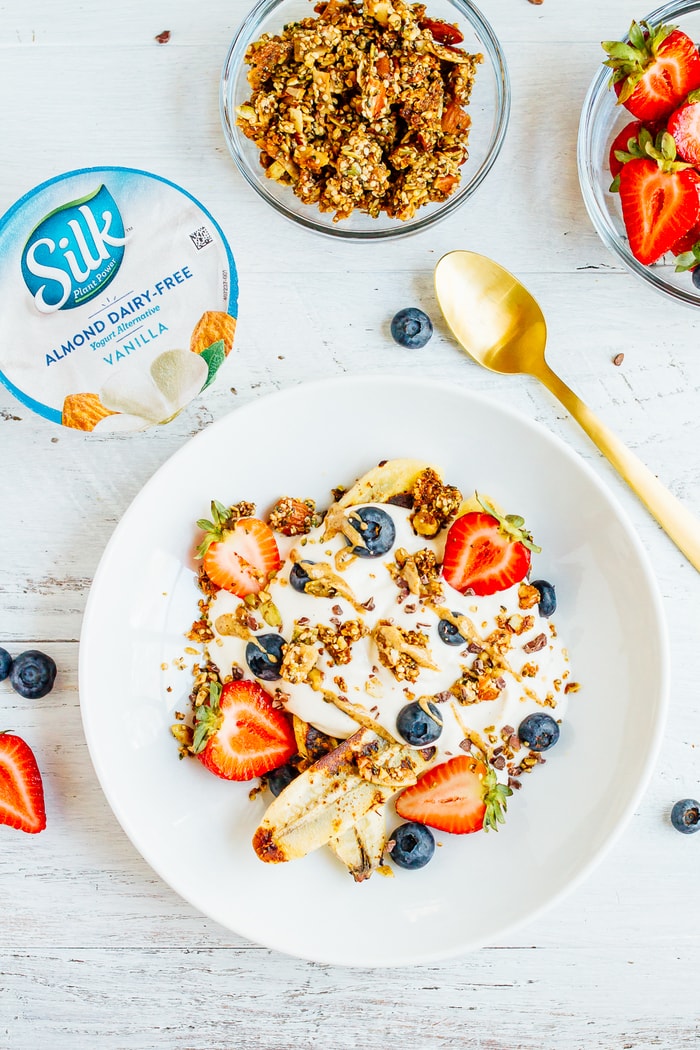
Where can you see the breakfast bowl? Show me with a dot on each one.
(197, 830)
(462, 157)
(602, 120)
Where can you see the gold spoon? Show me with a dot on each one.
(498, 322)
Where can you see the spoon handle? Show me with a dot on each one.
(675, 519)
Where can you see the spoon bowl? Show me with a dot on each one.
(501, 326)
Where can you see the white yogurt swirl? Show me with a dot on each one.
(525, 665)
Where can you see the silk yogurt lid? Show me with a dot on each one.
(119, 299)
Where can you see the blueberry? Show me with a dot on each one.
(299, 577)
(377, 530)
(413, 847)
(685, 816)
(265, 662)
(696, 281)
(5, 664)
(449, 633)
(411, 328)
(278, 779)
(548, 597)
(32, 674)
(416, 726)
(538, 731)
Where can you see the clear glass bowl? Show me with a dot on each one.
(489, 109)
(601, 120)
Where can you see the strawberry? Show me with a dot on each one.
(239, 735)
(660, 201)
(460, 796)
(684, 125)
(486, 552)
(21, 789)
(239, 554)
(654, 71)
(629, 143)
(688, 241)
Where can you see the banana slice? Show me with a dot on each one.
(391, 478)
(361, 847)
(334, 794)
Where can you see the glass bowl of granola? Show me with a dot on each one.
(613, 161)
(365, 119)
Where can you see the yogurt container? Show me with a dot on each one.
(119, 299)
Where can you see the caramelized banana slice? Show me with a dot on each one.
(391, 478)
(378, 485)
(334, 794)
(361, 847)
(322, 802)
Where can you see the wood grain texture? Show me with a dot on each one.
(95, 950)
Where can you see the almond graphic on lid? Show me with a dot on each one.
(83, 411)
(214, 325)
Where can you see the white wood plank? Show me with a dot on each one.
(94, 948)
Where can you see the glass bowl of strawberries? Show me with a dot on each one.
(639, 149)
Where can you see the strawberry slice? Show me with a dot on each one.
(21, 789)
(239, 735)
(684, 125)
(459, 796)
(485, 552)
(660, 203)
(654, 70)
(238, 554)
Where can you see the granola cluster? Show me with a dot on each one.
(362, 107)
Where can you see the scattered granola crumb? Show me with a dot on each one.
(164, 37)
(618, 359)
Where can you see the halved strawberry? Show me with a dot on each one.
(688, 241)
(459, 796)
(239, 735)
(239, 555)
(486, 552)
(660, 203)
(630, 143)
(21, 788)
(684, 125)
(654, 70)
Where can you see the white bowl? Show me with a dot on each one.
(195, 830)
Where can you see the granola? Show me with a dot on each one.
(362, 107)
(369, 634)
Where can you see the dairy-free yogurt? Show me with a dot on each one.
(377, 633)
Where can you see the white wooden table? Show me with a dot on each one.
(96, 951)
